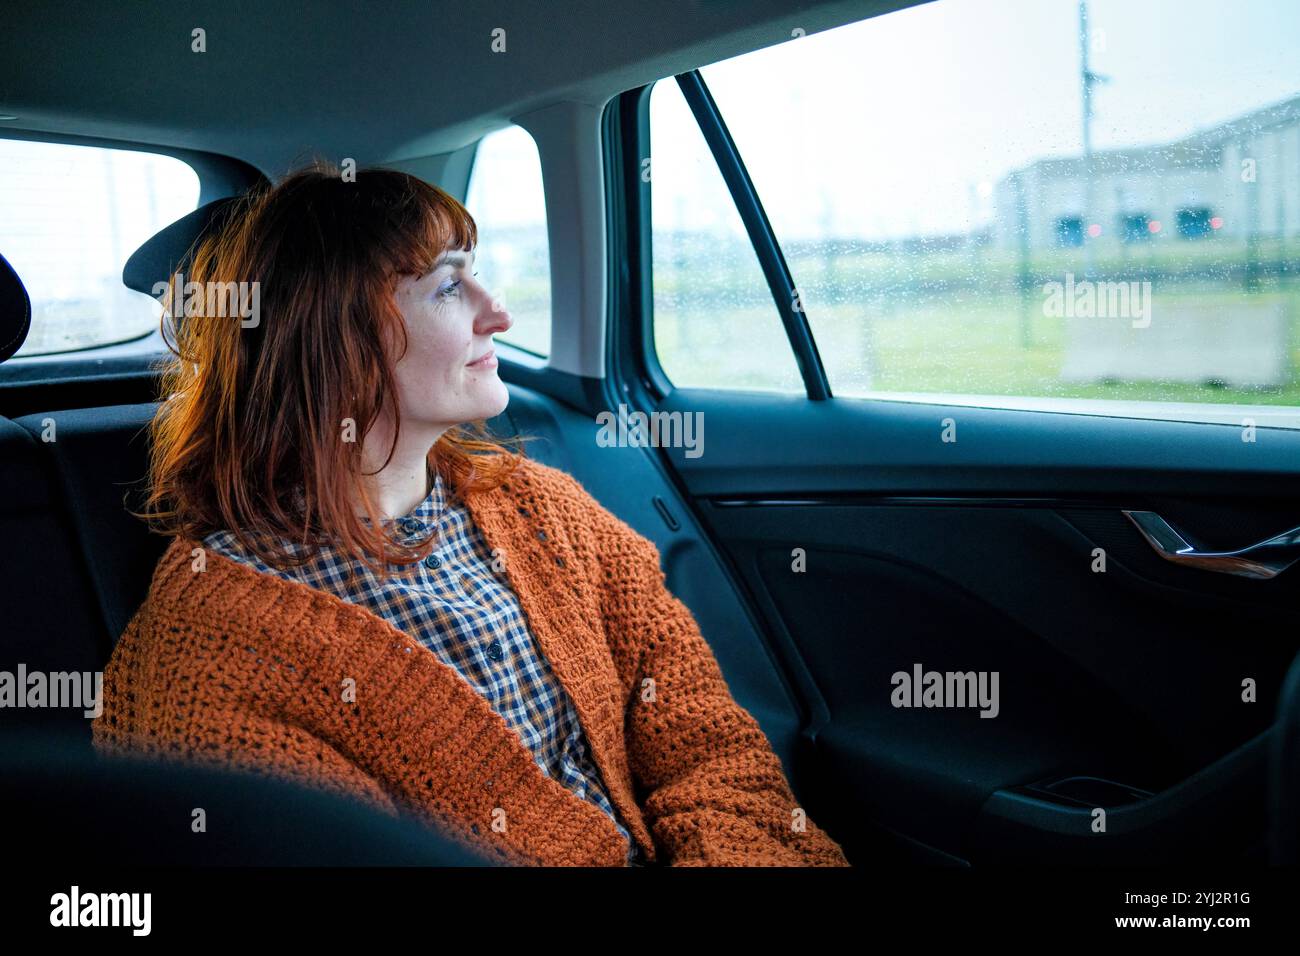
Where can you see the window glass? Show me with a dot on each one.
(505, 198)
(715, 324)
(70, 217)
(958, 224)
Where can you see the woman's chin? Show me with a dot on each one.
(496, 398)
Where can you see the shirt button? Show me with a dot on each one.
(433, 562)
(495, 652)
(411, 526)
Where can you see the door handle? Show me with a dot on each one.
(1261, 561)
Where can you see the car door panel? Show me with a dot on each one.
(979, 556)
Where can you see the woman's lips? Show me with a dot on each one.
(487, 361)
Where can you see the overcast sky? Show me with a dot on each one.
(890, 126)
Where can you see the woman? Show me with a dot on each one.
(367, 593)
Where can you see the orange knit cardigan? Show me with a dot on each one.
(226, 665)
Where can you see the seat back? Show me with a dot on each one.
(98, 462)
(46, 621)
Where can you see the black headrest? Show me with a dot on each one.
(15, 311)
(170, 249)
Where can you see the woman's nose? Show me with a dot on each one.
(494, 315)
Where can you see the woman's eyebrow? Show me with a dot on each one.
(454, 259)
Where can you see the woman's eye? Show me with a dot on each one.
(451, 289)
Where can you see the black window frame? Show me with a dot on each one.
(630, 276)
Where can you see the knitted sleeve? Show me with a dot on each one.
(144, 718)
(716, 791)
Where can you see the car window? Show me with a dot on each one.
(714, 321)
(505, 198)
(70, 216)
(956, 227)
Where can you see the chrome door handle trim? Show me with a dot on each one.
(1260, 561)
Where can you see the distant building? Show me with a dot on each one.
(1196, 188)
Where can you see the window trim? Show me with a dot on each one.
(626, 146)
(629, 305)
(626, 133)
(761, 236)
(1284, 417)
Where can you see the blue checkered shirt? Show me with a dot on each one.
(467, 614)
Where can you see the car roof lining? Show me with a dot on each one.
(300, 79)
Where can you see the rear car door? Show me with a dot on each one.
(969, 333)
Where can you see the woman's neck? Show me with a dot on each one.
(398, 492)
(398, 487)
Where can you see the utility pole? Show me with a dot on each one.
(1088, 80)
(1023, 274)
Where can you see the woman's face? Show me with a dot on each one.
(450, 321)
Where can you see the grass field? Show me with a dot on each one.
(725, 332)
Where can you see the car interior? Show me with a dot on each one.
(1123, 562)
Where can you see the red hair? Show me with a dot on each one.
(249, 436)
